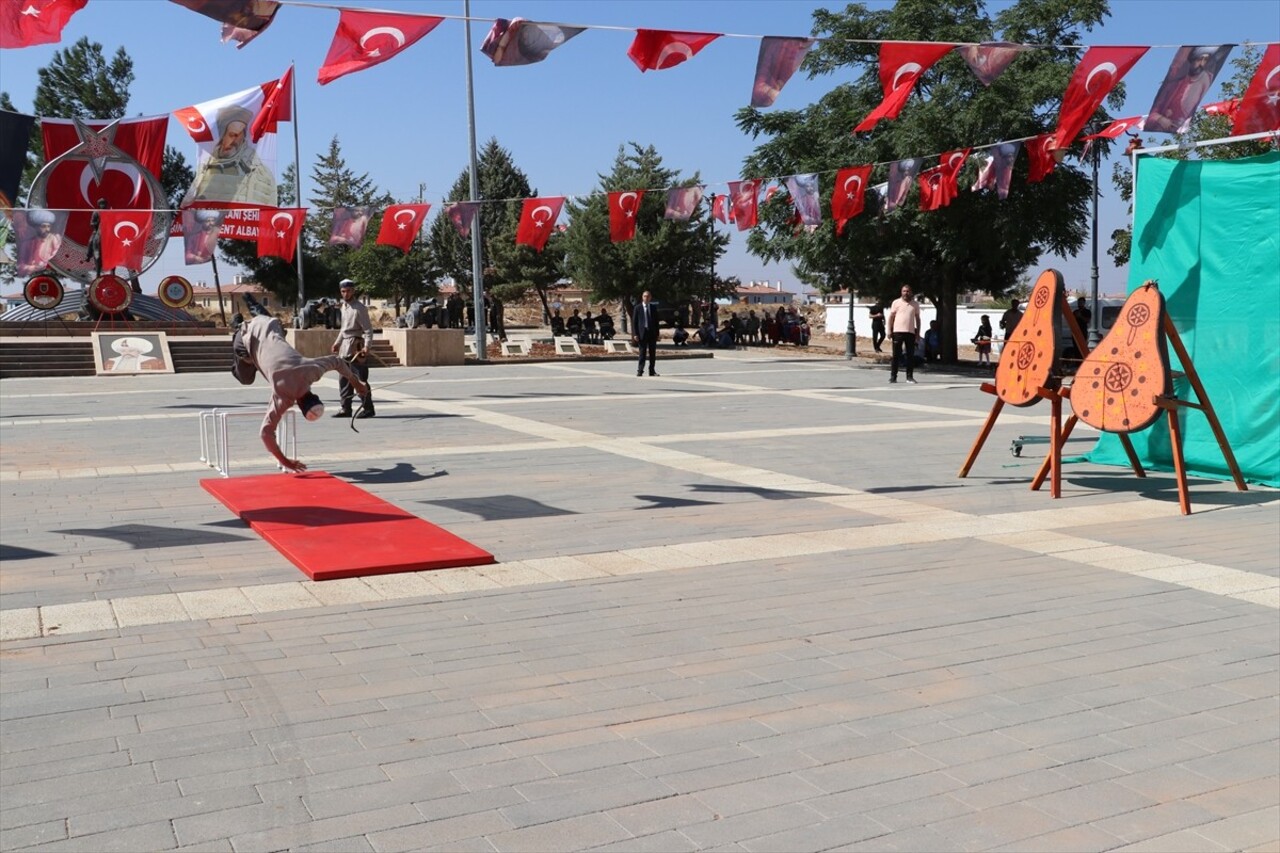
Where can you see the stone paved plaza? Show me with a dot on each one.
(743, 606)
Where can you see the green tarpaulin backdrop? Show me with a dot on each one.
(1209, 233)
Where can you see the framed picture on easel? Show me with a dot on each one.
(123, 353)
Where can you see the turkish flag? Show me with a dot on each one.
(401, 224)
(901, 64)
(278, 230)
(1259, 109)
(1099, 71)
(1117, 127)
(721, 209)
(276, 106)
(849, 195)
(74, 186)
(1040, 151)
(24, 23)
(940, 185)
(623, 207)
(364, 39)
(654, 50)
(1223, 108)
(744, 197)
(124, 236)
(537, 219)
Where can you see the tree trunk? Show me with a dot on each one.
(945, 304)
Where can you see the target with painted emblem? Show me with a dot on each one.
(43, 292)
(175, 292)
(110, 294)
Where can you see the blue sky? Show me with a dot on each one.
(405, 121)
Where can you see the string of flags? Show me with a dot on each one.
(235, 188)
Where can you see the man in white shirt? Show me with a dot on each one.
(904, 326)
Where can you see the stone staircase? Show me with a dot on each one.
(204, 354)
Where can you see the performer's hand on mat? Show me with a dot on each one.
(293, 464)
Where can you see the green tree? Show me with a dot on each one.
(1204, 126)
(502, 187)
(673, 260)
(978, 242)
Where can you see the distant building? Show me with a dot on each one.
(763, 293)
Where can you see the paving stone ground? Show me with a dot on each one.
(743, 606)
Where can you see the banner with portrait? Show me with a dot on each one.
(231, 170)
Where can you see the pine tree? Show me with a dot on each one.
(673, 260)
(502, 187)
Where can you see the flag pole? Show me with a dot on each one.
(297, 188)
(477, 274)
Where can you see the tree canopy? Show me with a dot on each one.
(977, 243)
(672, 259)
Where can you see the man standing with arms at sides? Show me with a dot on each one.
(877, 323)
(355, 337)
(644, 326)
(904, 325)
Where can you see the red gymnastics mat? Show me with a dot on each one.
(332, 529)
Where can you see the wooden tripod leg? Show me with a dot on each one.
(1138, 470)
(1179, 468)
(982, 438)
(1055, 448)
(1171, 332)
(1048, 457)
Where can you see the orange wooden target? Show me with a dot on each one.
(1117, 384)
(1029, 353)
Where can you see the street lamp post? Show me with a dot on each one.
(850, 337)
(1095, 320)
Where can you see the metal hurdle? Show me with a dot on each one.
(215, 449)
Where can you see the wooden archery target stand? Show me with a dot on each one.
(1121, 387)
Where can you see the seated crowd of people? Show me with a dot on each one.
(586, 329)
(786, 326)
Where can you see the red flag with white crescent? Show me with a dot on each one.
(73, 184)
(365, 39)
(276, 106)
(1259, 109)
(1223, 108)
(1040, 152)
(623, 207)
(1119, 126)
(278, 230)
(744, 198)
(940, 185)
(537, 219)
(655, 50)
(721, 209)
(849, 195)
(401, 224)
(124, 236)
(24, 23)
(901, 65)
(1099, 71)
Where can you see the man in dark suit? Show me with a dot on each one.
(645, 333)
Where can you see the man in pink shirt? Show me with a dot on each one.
(904, 326)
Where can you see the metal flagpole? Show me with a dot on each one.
(297, 191)
(477, 274)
